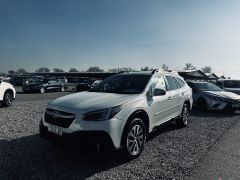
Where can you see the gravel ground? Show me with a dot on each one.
(170, 153)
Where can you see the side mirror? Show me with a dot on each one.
(159, 92)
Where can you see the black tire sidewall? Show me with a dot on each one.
(180, 122)
(4, 99)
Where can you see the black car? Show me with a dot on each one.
(42, 85)
(84, 85)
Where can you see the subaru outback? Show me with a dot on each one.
(119, 111)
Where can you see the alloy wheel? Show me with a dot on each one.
(135, 139)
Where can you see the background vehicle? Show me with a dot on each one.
(7, 93)
(209, 96)
(120, 111)
(42, 85)
(229, 85)
(84, 85)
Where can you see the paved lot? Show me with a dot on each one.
(170, 153)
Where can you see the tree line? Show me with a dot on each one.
(188, 66)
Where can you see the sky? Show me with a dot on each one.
(126, 33)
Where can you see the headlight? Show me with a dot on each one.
(101, 115)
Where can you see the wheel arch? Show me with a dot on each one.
(143, 115)
(9, 90)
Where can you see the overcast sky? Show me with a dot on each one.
(116, 33)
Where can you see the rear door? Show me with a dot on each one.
(174, 96)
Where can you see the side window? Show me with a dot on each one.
(180, 82)
(171, 83)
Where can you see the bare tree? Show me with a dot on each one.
(207, 69)
(11, 72)
(189, 66)
(164, 67)
(122, 69)
(146, 68)
(57, 70)
(42, 70)
(21, 71)
(73, 70)
(95, 69)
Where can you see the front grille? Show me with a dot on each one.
(59, 118)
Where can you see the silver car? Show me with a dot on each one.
(207, 96)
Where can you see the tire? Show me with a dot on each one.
(134, 138)
(42, 90)
(183, 120)
(7, 99)
(62, 89)
(202, 104)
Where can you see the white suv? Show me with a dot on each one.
(121, 110)
(7, 93)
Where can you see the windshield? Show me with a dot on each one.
(123, 84)
(206, 87)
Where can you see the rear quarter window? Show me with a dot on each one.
(180, 82)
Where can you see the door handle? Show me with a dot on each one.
(169, 98)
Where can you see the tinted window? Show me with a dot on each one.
(123, 84)
(206, 87)
(232, 84)
(181, 83)
(171, 83)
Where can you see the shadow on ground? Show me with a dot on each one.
(33, 158)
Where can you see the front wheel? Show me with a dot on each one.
(134, 138)
(183, 120)
(7, 99)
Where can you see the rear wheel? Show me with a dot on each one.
(8, 98)
(62, 89)
(183, 120)
(134, 138)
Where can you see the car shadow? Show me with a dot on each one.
(208, 113)
(31, 157)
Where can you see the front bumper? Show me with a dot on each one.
(77, 138)
(107, 133)
(223, 105)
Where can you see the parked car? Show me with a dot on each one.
(7, 93)
(84, 85)
(207, 96)
(120, 111)
(229, 85)
(43, 85)
(95, 83)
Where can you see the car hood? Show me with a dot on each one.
(91, 101)
(224, 94)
